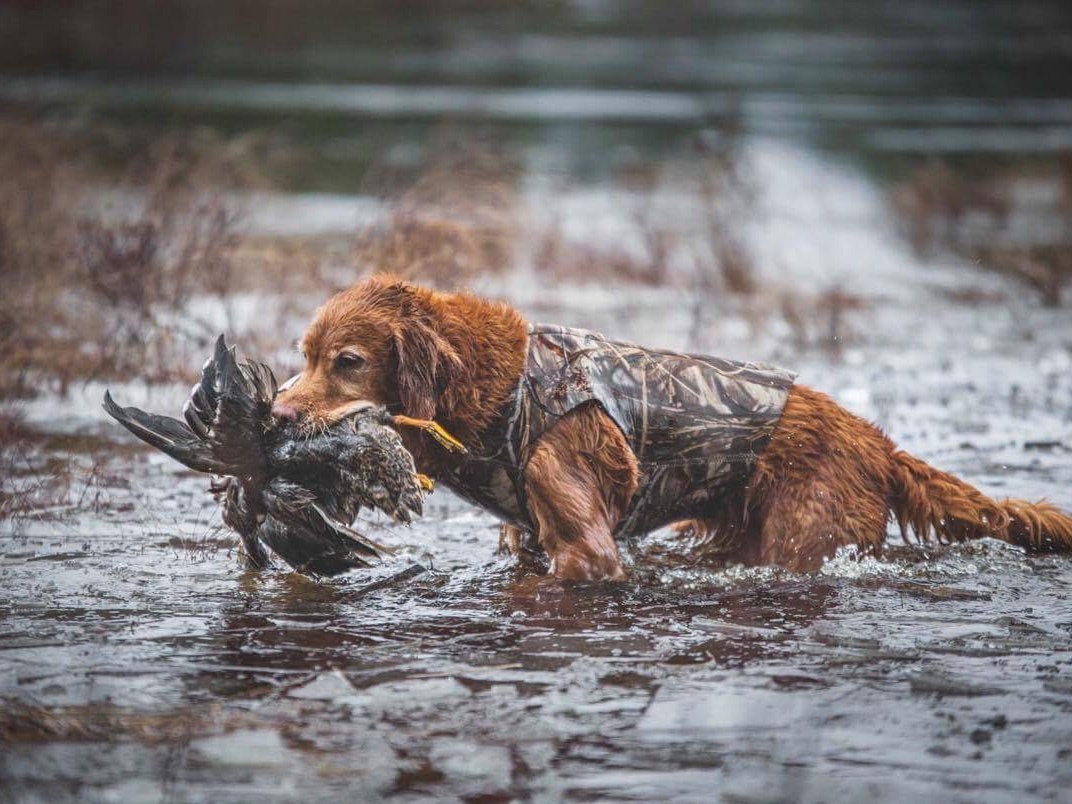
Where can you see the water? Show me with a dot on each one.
(170, 673)
(582, 88)
(139, 661)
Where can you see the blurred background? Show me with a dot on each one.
(875, 194)
(163, 161)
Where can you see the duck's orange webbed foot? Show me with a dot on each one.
(435, 430)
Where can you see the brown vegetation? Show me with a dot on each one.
(26, 723)
(559, 259)
(91, 295)
(820, 320)
(710, 258)
(1045, 268)
(455, 222)
(41, 474)
(942, 208)
(130, 274)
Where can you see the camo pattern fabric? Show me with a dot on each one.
(696, 423)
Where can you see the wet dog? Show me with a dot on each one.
(577, 441)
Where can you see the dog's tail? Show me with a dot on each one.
(932, 502)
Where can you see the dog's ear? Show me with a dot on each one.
(427, 363)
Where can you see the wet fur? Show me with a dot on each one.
(578, 483)
(452, 357)
(827, 479)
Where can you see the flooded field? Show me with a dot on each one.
(141, 661)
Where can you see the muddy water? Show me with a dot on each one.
(168, 672)
(140, 661)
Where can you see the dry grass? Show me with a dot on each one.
(455, 222)
(558, 259)
(933, 201)
(821, 321)
(90, 296)
(1045, 268)
(727, 198)
(26, 723)
(707, 255)
(15, 438)
(30, 482)
(940, 208)
(51, 475)
(37, 222)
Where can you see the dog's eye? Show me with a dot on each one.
(346, 361)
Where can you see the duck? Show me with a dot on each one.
(285, 489)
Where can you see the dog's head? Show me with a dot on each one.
(379, 341)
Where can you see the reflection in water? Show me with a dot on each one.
(199, 677)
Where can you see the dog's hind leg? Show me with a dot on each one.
(820, 484)
(578, 482)
(804, 523)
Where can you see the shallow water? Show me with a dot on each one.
(169, 672)
(140, 661)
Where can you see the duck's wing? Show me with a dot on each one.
(360, 544)
(308, 538)
(226, 416)
(168, 435)
(231, 407)
(200, 408)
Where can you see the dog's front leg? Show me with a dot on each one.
(578, 483)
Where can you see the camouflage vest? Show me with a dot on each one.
(696, 424)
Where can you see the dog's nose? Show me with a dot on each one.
(283, 412)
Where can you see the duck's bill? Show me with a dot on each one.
(349, 409)
(289, 383)
(433, 428)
